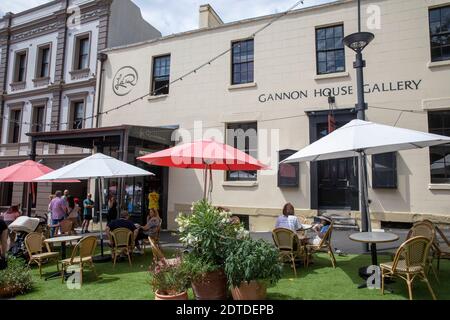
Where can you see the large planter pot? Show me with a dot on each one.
(249, 291)
(180, 296)
(212, 286)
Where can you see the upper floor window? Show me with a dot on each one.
(77, 115)
(38, 119)
(439, 123)
(440, 33)
(161, 75)
(82, 46)
(20, 67)
(330, 49)
(244, 137)
(43, 62)
(243, 62)
(14, 126)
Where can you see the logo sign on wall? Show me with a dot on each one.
(125, 80)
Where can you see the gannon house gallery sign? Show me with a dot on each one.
(392, 86)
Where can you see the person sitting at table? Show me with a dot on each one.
(123, 222)
(3, 244)
(320, 230)
(288, 220)
(9, 217)
(152, 226)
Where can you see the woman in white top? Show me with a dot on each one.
(288, 220)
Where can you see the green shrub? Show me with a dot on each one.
(169, 279)
(196, 266)
(249, 260)
(16, 279)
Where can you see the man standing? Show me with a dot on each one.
(58, 208)
(88, 205)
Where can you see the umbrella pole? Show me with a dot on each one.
(29, 199)
(102, 257)
(363, 196)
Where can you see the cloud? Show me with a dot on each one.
(173, 16)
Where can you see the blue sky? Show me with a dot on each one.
(173, 16)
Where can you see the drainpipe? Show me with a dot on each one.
(102, 57)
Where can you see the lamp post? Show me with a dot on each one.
(357, 42)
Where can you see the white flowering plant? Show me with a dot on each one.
(208, 230)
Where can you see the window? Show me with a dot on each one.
(43, 62)
(243, 62)
(20, 66)
(440, 33)
(439, 123)
(14, 126)
(288, 173)
(330, 49)
(82, 52)
(243, 136)
(38, 119)
(6, 193)
(384, 170)
(77, 115)
(161, 75)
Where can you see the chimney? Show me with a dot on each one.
(208, 17)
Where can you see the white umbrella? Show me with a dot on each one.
(96, 166)
(360, 138)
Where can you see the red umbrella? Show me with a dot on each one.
(26, 172)
(206, 154)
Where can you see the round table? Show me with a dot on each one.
(306, 227)
(62, 240)
(373, 238)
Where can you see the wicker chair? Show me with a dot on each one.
(441, 251)
(323, 246)
(289, 245)
(410, 261)
(34, 243)
(121, 241)
(426, 229)
(85, 249)
(158, 255)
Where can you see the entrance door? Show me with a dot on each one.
(334, 183)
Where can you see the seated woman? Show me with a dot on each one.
(288, 220)
(320, 229)
(151, 228)
(9, 217)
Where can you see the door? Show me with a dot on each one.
(334, 183)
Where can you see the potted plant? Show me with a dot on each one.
(251, 266)
(207, 232)
(15, 279)
(169, 281)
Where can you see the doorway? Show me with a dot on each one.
(334, 183)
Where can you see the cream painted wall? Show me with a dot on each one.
(285, 61)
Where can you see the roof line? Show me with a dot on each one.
(226, 25)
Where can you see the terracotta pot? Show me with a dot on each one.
(249, 291)
(180, 296)
(6, 292)
(212, 286)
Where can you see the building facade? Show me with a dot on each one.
(277, 84)
(48, 75)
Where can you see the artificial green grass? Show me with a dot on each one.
(319, 282)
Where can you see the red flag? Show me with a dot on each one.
(331, 123)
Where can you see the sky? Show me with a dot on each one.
(173, 16)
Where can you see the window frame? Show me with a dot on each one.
(77, 52)
(378, 184)
(430, 9)
(35, 120)
(11, 127)
(228, 177)
(233, 83)
(16, 75)
(317, 52)
(441, 131)
(282, 155)
(39, 60)
(153, 82)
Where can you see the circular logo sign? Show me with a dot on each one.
(124, 81)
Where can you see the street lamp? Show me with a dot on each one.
(357, 42)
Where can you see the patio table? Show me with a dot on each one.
(63, 241)
(373, 238)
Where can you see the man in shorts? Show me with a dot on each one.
(88, 205)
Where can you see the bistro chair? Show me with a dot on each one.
(426, 229)
(158, 255)
(82, 255)
(441, 251)
(289, 246)
(323, 246)
(122, 241)
(34, 242)
(410, 261)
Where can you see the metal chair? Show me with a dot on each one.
(410, 262)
